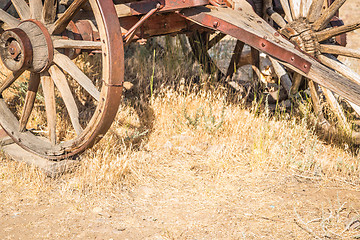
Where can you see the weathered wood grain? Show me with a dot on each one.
(8, 19)
(22, 9)
(339, 50)
(30, 97)
(50, 105)
(68, 98)
(70, 67)
(324, 19)
(77, 44)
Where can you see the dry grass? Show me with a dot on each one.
(205, 127)
(187, 131)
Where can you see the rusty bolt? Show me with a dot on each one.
(263, 45)
(305, 66)
(276, 34)
(12, 51)
(216, 24)
(292, 59)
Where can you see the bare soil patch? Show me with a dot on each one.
(191, 186)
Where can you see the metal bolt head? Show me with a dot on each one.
(216, 24)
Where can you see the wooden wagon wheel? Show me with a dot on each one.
(38, 42)
(308, 25)
(311, 27)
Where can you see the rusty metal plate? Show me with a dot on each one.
(205, 18)
(143, 7)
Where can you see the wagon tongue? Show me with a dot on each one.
(246, 26)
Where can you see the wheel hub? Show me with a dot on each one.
(301, 34)
(15, 49)
(29, 46)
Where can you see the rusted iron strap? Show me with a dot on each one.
(251, 39)
(128, 35)
(143, 7)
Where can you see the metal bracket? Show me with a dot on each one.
(262, 44)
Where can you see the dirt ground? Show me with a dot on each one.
(185, 201)
(254, 205)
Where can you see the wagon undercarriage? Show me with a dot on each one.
(42, 39)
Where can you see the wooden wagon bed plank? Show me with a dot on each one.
(255, 25)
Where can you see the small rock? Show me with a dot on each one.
(216, 148)
(97, 210)
(183, 150)
(168, 145)
(16, 214)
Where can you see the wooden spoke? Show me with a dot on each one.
(7, 5)
(8, 19)
(63, 86)
(255, 57)
(336, 108)
(215, 40)
(22, 9)
(355, 107)
(324, 20)
(335, 64)
(49, 11)
(286, 7)
(295, 6)
(36, 8)
(277, 18)
(29, 100)
(284, 77)
(339, 50)
(332, 32)
(10, 79)
(315, 10)
(77, 44)
(297, 80)
(315, 98)
(50, 105)
(235, 58)
(304, 8)
(61, 24)
(70, 67)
